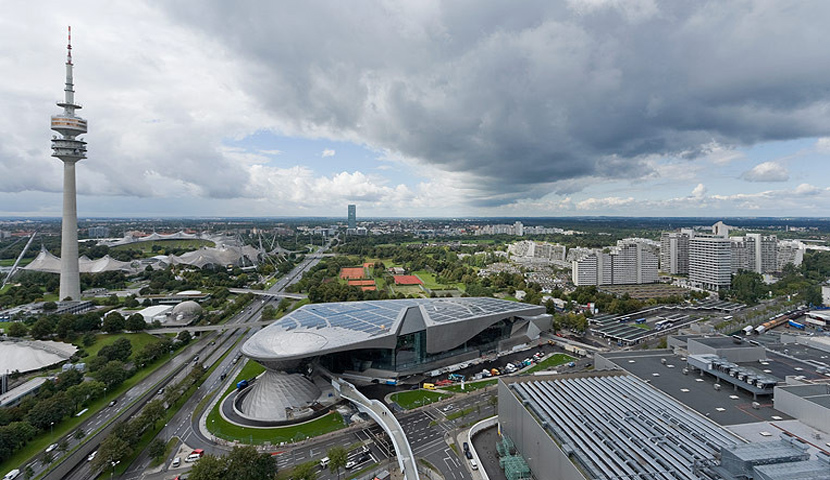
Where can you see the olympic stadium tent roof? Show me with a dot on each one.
(331, 327)
(46, 262)
(217, 256)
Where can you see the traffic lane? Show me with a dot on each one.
(103, 416)
(485, 445)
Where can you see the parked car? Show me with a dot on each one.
(176, 462)
(473, 464)
(350, 464)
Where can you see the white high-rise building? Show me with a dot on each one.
(790, 251)
(69, 149)
(710, 262)
(631, 263)
(674, 252)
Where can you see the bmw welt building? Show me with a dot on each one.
(374, 341)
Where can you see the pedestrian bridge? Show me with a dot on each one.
(384, 417)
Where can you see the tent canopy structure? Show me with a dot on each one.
(46, 262)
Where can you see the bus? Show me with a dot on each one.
(663, 324)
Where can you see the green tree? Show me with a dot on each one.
(17, 329)
(493, 401)
(337, 459)
(268, 312)
(184, 337)
(209, 467)
(246, 463)
(136, 323)
(50, 306)
(114, 322)
(42, 328)
(120, 349)
(153, 412)
(88, 339)
(304, 471)
(112, 374)
(157, 449)
(113, 449)
(28, 472)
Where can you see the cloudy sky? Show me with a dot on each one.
(420, 108)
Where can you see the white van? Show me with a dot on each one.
(192, 457)
(176, 462)
(11, 475)
(473, 464)
(324, 462)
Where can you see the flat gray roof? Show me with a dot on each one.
(619, 427)
(725, 407)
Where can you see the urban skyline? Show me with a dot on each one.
(570, 109)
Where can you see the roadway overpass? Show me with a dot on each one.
(264, 293)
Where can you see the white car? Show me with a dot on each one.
(350, 464)
(51, 448)
(91, 456)
(176, 462)
(12, 475)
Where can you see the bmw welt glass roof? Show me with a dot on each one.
(316, 328)
(379, 316)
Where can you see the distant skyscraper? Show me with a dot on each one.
(352, 217)
(69, 150)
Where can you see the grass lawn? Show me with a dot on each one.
(138, 341)
(219, 427)
(8, 262)
(408, 290)
(554, 360)
(430, 282)
(470, 386)
(644, 326)
(147, 247)
(5, 326)
(416, 398)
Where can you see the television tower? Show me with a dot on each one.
(69, 150)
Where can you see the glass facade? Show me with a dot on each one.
(410, 351)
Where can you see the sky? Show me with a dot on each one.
(422, 108)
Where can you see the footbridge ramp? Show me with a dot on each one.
(384, 417)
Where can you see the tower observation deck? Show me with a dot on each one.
(69, 149)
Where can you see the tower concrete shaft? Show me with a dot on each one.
(69, 150)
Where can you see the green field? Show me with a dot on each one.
(147, 247)
(221, 428)
(138, 341)
(430, 282)
(417, 398)
(470, 386)
(8, 262)
(552, 361)
(408, 290)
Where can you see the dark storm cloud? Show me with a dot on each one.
(526, 96)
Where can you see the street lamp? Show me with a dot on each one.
(51, 428)
(113, 468)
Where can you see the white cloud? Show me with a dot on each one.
(327, 153)
(699, 191)
(767, 172)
